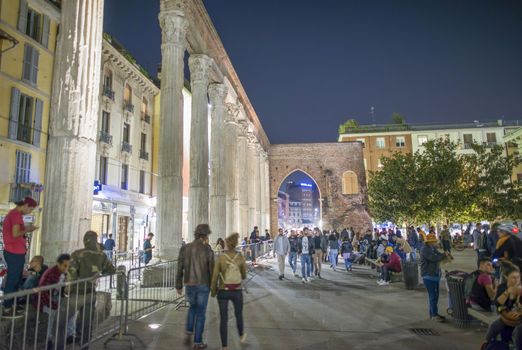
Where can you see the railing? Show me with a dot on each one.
(105, 137)
(108, 92)
(144, 154)
(126, 147)
(18, 191)
(467, 146)
(24, 133)
(490, 144)
(127, 106)
(145, 117)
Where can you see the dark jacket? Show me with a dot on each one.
(311, 248)
(430, 261)
(319, 243)
(195, 264)
(294, 242)
(509, 249)
(333, 242)
(346, 247)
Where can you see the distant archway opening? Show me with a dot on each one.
(298, 202)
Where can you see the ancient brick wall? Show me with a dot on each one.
(325, 163)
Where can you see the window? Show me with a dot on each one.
(30, 67)
(491, 137)
(107, 80)
(126, 132)
(23, 167)
(142, 181)
(104, 168)
(350, 184)
(362, 141)
(380, 143)
(106, 122)
(25, 119)
(400, 141)
(144, 107)
(33, 23)
(468, 140)
(127, 95)
(143, 144)
(33, 28)
(124, 176)
(422, 139)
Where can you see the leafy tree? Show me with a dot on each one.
(398, 118)
(349, 124)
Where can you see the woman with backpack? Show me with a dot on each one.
(229, 271)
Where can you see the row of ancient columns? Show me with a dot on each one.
(231, 198)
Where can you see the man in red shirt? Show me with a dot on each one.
(392, 265)
(14, 232)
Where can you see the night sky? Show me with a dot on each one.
(307, 66)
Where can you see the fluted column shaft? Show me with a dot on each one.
(170, 153)
(268, 202)
(263, 182)
(200, 66)
(259, 192)
(218, 183)
(231, 168)
(243, 176)
(252, 164)
(71, 152)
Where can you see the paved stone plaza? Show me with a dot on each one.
(342, 311)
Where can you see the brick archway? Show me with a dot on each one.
(325, 163)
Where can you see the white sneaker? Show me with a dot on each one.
(384, 283)
(243, 338)
(304, 280)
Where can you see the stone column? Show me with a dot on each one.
(262, 190)
(259, 188)
(243, 175)
(231, 167)
(200, 66)
(218, 181)
(170, 156)
(71, 152)
(267, 193)
(252, 165)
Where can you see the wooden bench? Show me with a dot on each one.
(483, 316)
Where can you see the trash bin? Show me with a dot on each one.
(410, 274)
(457, 300)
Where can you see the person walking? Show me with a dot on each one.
(108, 246)
(346, 252)
(195, 267)
(147, 248)
(14, 235)
(306, 250)
(430, 259)
(229, 271)
(509, 246)
(333, 243)
(281, 249)
(292, 256)
(319, 248)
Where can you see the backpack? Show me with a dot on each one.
(232, 273)
(469, 283)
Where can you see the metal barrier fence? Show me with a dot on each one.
(64, 315)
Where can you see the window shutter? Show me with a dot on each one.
(22, 16)
(45, 33)
(15, 111)
(37, 122)
(34, 65)
(27, 67)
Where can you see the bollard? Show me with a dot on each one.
(121, 290)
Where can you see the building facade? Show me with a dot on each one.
(123, 205)
(29, 30)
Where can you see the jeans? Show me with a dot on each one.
(306, 264)
(433, 295)
(292, 260)
(498, 327)
(348, 263)
(446, 245)
(333, 258)
(197, 297)
(236, 296)
(15, 268)
(76, 312)
(413, 255)
(318, 260)
(385, 274)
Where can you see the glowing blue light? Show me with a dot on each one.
(306, 185)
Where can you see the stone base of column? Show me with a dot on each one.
(67, 209)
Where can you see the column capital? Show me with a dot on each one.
(217, 93)
(242, 129)
(173, 5)
(233, 112)
(252, 140)
(200, 66)
(174, 27)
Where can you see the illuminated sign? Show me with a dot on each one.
(97, 187)
(306, 185)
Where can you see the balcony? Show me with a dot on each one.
(466, 146)
(108, 92)
(145, 117)
(490, 144)
(105, 137)
(126, 147)
(18, 191)
(128, 107)
(144, 155)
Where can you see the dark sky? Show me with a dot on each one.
(307, 66)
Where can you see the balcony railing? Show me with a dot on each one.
(105, 137)
(127, 106)
(108, 92)
(19, 191)
(466, 146)
(145, 117)
(490, 144)
(23, 133)
(126, 147)
(144, 155)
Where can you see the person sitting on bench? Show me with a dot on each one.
(483, 290)
(391, 264)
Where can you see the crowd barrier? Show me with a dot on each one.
(72, 315)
